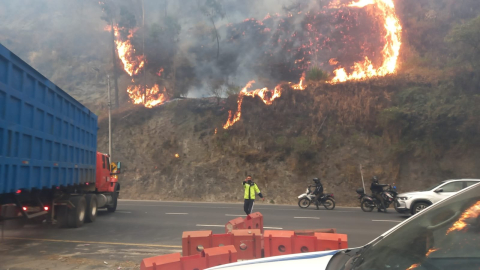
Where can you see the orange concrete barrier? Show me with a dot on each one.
(312, 232)
(163, 262)
(331, 241)
(248, 243)
(278, 242)
(195, 262)
(220, 255)
(254, 221)
(220, 240)
(195, 242)
(235, 224)
(302, 244)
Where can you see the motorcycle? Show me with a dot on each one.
(368, 203)
(307, 198)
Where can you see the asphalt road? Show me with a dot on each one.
(147, 228)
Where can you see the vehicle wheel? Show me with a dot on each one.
(76, 216)
(367, 206)
(91, 212)
(419, 207)
(304, 203)
(329, 204)
(113, 207)
(12, 211)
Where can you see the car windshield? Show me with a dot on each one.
(444, 237)
(434, 186)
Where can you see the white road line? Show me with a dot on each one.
(176, 213)
(397, 221)
(308, 217)
(125, 212)
(223, 226)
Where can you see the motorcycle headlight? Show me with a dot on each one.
(402, 198)
(306, 191)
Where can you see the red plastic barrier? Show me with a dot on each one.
(312, 232)
(235, 224)
(248, 244)
(278, 242)
(163, 262)
(331, 241)
(254, 221)
(220, 240)
(302, 244)
(195, 262)
(195, 242)
(220, 255)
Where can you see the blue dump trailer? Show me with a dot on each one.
(49, 166)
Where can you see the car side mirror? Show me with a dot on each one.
(439, 190)
(117, 169)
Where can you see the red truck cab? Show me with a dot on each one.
(106, 178)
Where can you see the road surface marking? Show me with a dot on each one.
(91, 242)
(125, 212)
(228, 215)
(223, 226)
(176, 213)
(397, 221)
(308, 217)
(156, 205)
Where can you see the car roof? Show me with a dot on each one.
(455, 180)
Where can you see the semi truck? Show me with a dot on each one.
(50, 169)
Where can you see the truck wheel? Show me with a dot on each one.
(76, 216)
(113, 207)
(91, 212)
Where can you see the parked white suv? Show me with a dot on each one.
(414, 202)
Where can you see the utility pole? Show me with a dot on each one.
(144, 59)
(109, 121)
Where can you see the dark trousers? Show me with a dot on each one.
(248, 206)
(380, 198)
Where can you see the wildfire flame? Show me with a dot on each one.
(177, 155)
(390, 52)
(430, 251)
(415, 265)
(132, 64)
(266, 95)
(472, 212)
(154, 96)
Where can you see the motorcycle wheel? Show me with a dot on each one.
(304, 203)
(329, 204)
(367, 206)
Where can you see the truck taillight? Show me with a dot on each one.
(46, 208)
(19, 191)
(24, 208)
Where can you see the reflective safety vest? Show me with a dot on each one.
(250, 190)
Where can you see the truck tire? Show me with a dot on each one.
(91, 212)
(76, 216)
(113, 207)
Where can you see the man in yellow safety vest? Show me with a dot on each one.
(250, 190)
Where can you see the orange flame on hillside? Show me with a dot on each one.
(430, 251)
(132, 64)
(266, 95)
(415, 265)
(390, 52)
(472, 212)
(154, 96)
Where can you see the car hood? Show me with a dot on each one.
(295, 261)
(410, 194)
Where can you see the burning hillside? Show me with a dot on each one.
(382, 11)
